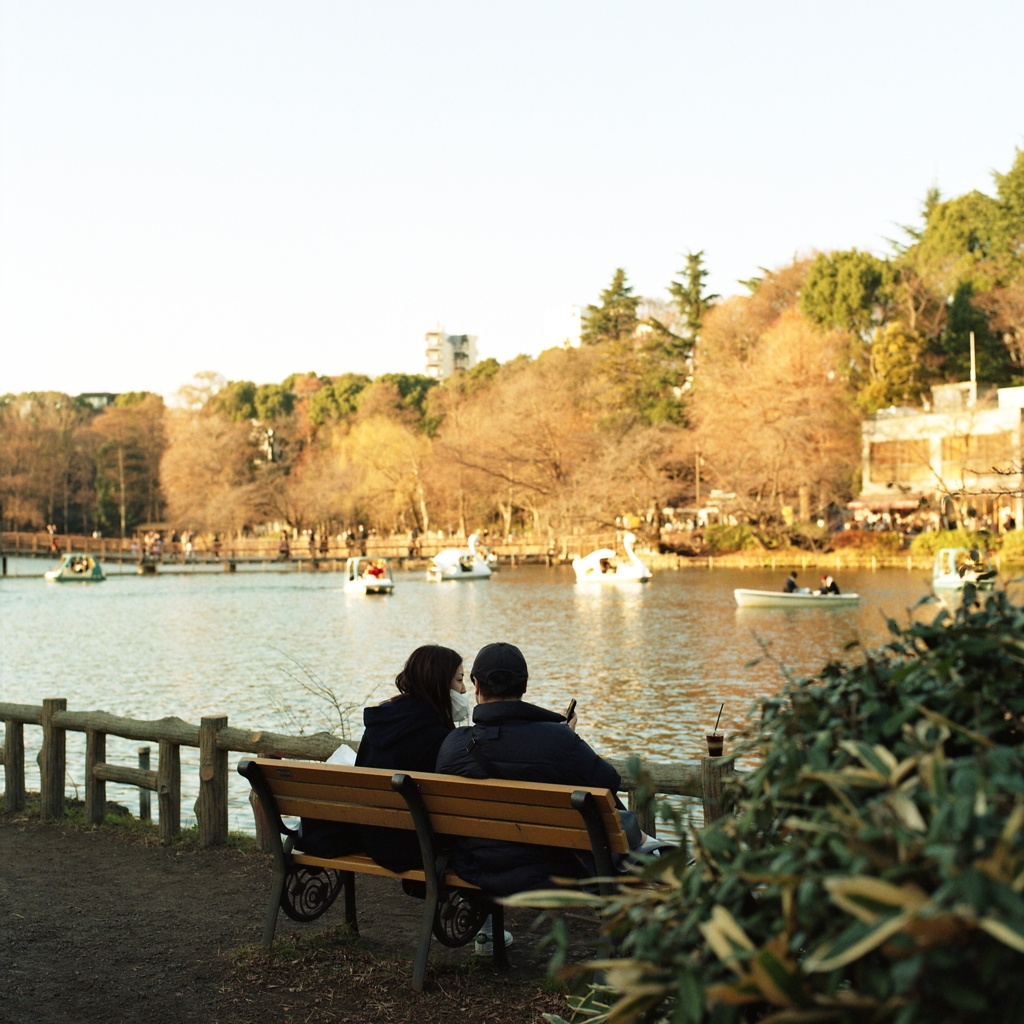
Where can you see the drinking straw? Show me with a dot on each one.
(718, 719)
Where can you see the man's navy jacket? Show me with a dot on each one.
(529, 744)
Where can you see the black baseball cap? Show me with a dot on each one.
(499, 657)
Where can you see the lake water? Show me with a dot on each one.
(649, 665)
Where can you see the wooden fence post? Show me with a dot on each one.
(168, 789)
(712, 771)
(212, 802)
(52, 761)
(14, 766)
(145, 810)
(646, 817)
(95, 789)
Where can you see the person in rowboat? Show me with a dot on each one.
(790, 587)
(828, 586)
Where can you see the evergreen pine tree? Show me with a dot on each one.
(615, 318)
(690, 298)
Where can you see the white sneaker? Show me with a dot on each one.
(483, 945)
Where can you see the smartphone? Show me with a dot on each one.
(570, 710)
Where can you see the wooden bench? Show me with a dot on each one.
(436, 807)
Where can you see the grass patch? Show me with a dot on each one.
(120, 821)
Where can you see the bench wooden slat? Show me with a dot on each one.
(366, 866)
(575, 838)
(534, 794)
(463, 806)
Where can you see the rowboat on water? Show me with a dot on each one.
(76, 569)
(799, 599)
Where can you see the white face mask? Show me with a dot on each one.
(460, 706)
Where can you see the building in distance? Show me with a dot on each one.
(964, 447)
(447, 353)
(97, 399)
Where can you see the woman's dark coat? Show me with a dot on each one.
(405, 734)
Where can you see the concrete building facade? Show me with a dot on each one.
(447, 353)
(963, 447)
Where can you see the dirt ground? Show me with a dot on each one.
(106, 925)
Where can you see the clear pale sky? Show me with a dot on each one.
(262, 188)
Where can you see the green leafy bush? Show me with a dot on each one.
(930, 543)
(1012, 546)
(867, 541)
(723, 540)
(873, 867)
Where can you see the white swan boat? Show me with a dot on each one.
(603, 566)
(76, 569)
(798, 599)
(459, 563)
(954, 568)
(368, 576)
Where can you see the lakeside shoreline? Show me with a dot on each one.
(794, 558)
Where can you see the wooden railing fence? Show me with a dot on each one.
(215, 739)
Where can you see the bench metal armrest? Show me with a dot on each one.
(282, 853)
(583, 801)
(410, 793)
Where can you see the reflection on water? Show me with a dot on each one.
(649, 665)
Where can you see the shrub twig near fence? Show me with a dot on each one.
(214, 740)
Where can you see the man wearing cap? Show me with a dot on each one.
(511, 739)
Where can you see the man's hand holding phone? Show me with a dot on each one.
(570, 715)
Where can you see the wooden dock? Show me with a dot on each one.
(266, 550)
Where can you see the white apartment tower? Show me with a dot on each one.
(447, 353)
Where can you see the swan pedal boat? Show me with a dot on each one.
(602, 565)
(359, 579)
(954, 568)
(459, 563)
(76, 569)
(798, 599)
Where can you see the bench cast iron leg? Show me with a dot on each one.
(349, 880)
(270, 926)
(426, 931)
(500, 955)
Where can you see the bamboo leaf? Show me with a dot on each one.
(553, 899)
(1007, 935)
(831, 956)
(868, 756)
(776, 980)
(906, 810)
(876, 890)
(637, 1002)
(733, 995)
(801, 1016)
(886, 756)
(725, 936)
(1013, 824)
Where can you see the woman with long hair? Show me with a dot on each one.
(404, 733)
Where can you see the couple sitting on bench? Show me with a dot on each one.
(509, 739)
